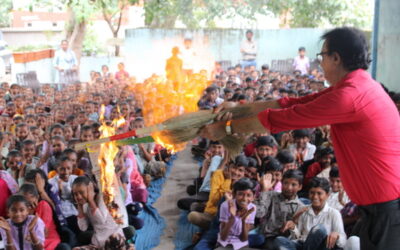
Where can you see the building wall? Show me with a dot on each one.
(386, 63)
(146, 50)
(16, 37)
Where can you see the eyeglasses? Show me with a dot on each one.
(320, 55)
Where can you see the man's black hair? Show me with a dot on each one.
(302, 49)
(27, 142)
(249, 31)
(351, 45)
(318, 182)
(14, 153)
(265, 67)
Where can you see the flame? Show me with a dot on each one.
(162, 99)
(108, 151)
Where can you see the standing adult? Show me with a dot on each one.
(188, 56)
(302, 62)
(365, 131)
(66, 64)
(249, 50)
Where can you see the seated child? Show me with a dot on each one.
(13, 165)
(338, 197)
(42, 209)
(274, 167)
(21, 230)
(62, 185)
(73, 157)
(302, 149)
(221, 182)
(57, 147)
(265, 146)
(287, 160)
(92, 210)
(319, 226)
(38, 178)
(237, 216)
(323, 160)
(276, 210)
(251, 169)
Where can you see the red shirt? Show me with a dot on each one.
(4, 194)
(365, 130)
(312, 171)
(44, 211)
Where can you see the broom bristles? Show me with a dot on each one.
(186, 127)
(233, 144)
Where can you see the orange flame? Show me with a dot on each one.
(108, 151)
(162, 99)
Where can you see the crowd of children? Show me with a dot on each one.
(49, 195)
(283, 190)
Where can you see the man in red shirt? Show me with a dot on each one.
(365, 129)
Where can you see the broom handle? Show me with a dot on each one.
(140, 131)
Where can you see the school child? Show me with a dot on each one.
(237, 216)
(265, 146)
(21, 230)
(53, 154)
(319, 226)
(92, 210)
(302, 149)
(44, 210)
(274, 167)
(14, 164)
(62, 185)
(73, 157)
(338, 197)
(323, 160)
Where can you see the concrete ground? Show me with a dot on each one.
(183, 172)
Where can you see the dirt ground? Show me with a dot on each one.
(185, 169)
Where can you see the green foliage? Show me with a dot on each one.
(5, 8)
(299, 13)
(91, 45)
(31, 48)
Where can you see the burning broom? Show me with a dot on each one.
(181, 129)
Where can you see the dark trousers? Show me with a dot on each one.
(379, 226)
(185, 203)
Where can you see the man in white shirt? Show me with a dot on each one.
(66, 64)
(302, 62)
(188, 57)
(249, 50)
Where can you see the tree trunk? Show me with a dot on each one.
(76, 34)
(117, 47)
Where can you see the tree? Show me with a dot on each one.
(112, 12)
(292, 13)
(5, 9)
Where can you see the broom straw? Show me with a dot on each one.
(178, 129)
